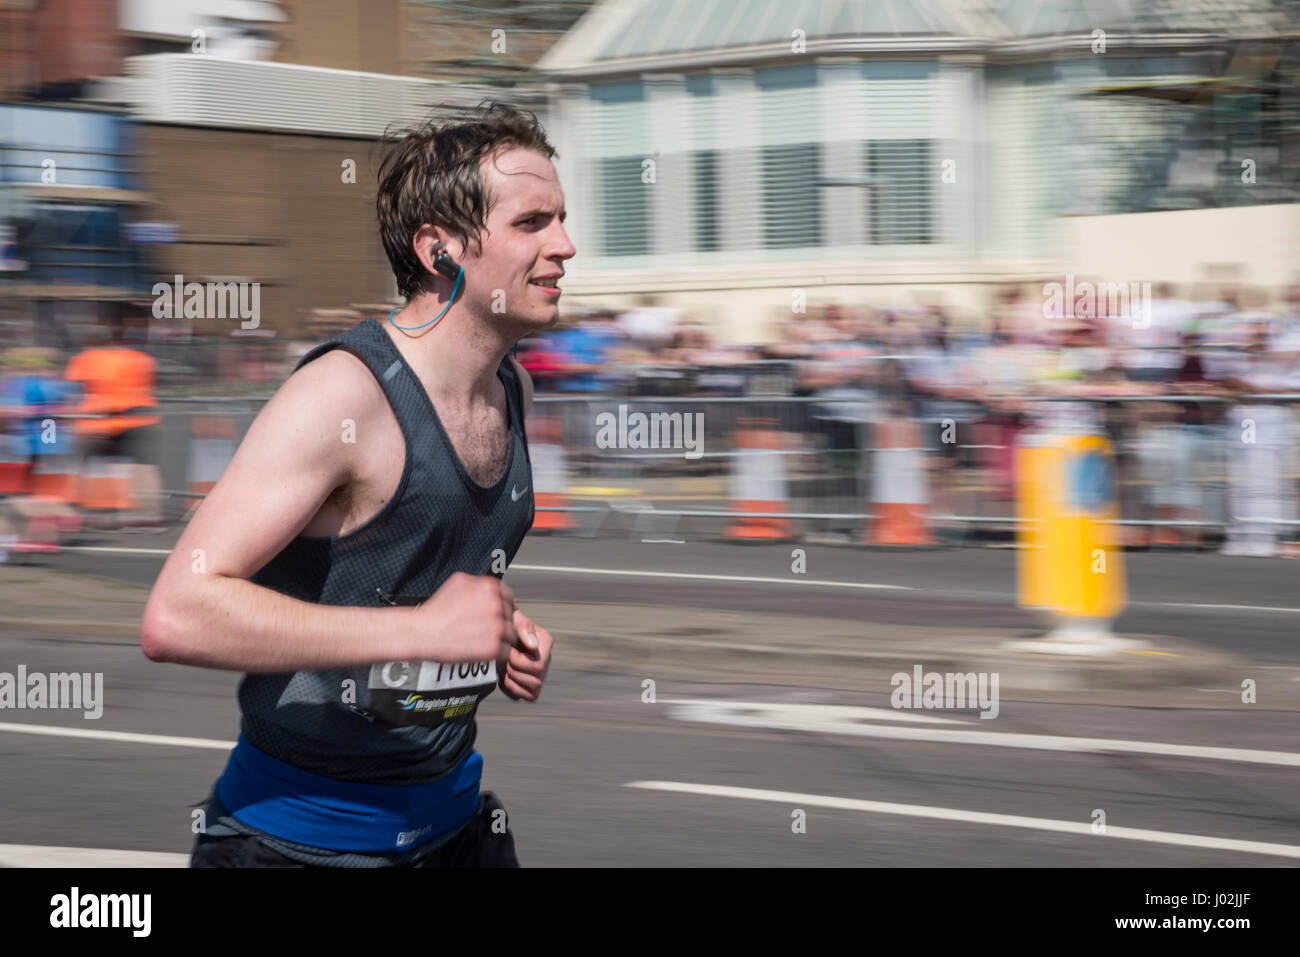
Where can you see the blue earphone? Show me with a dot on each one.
(447, 266)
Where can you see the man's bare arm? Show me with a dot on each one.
(204, 611)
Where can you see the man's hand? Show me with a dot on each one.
(525, 670)
(471, 619)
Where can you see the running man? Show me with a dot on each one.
(349, 559)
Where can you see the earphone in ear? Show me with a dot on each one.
(448, 267)
(444, 263)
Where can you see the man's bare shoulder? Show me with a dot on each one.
(313, 418)
(300, 448)
(338, 384)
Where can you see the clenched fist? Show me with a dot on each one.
(471, 618)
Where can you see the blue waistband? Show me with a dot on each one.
(296, 805)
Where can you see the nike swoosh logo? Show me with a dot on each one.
(515, 494)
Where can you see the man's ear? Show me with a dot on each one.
(424, 241)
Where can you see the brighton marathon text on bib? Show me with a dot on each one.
(428, 692)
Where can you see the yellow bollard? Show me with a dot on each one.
(1071, 558)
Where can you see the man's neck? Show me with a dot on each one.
(457, 358)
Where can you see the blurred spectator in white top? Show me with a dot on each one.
(1260, 446)
(650, 326)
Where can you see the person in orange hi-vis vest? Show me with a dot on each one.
(117, 384)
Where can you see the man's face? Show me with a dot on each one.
(524, 244)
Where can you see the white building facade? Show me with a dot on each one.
(729, 156)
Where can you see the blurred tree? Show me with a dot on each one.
(490, 42)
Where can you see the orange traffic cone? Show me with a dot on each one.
(15, 467)
(55, 475)
(106, 485)
(1137, 536)
(212, 446)
(758, 483)
(900, 491)
(546, 450)
(56, 488)
(14, 478)
(1176, 536)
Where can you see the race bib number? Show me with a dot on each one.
(428, 692)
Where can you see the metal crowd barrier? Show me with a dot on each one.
(1172, 475)
(837, 467)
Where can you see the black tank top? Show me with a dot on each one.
(395, 722)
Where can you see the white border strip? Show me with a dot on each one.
(37, 855)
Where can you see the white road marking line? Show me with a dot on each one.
(35, 855)
(700, 576)
(816, 712)
(115, 550)
(1082, 828)
(839, 719)
(576, 570)
(1189, 604)
(130, 736)
(748, 579)
(821, 582)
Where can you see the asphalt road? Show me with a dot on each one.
(717, 772)
(1246, 606)
(566, 768)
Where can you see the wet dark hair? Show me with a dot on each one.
(431, 175)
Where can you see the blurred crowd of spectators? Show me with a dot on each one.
(1193, 393)
(1221, 344)
(1182, 380)
(1212, 342)
(647, 350)
(1189, 384)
